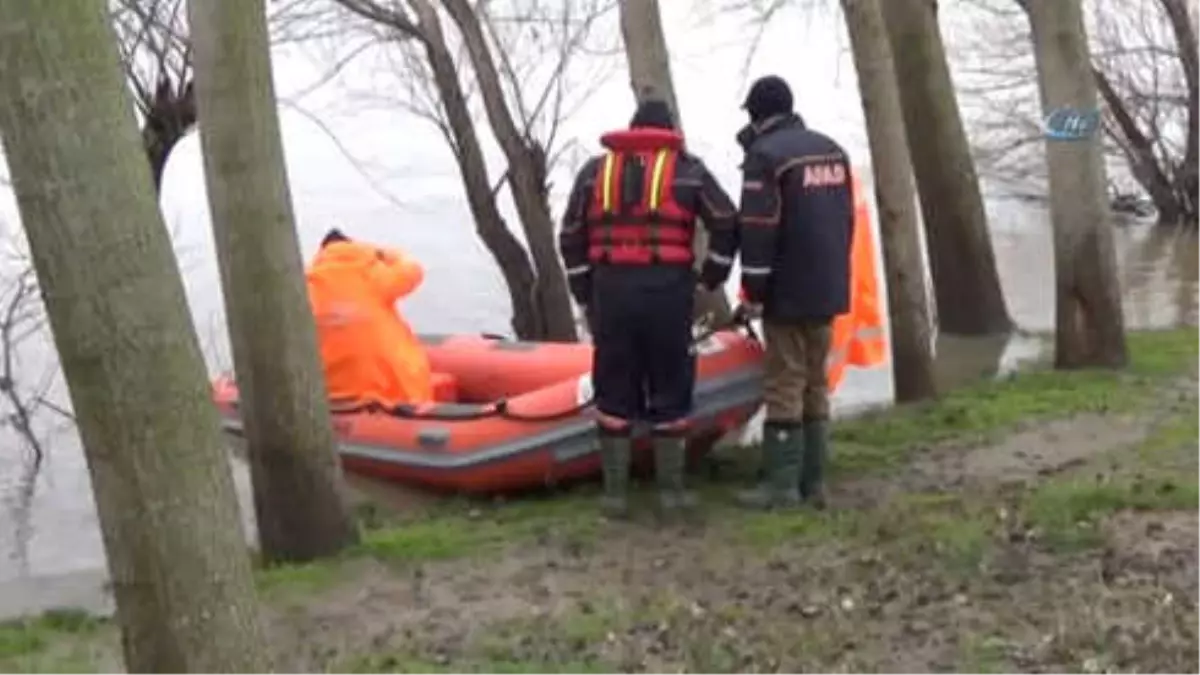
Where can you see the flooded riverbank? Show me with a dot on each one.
(50, 549)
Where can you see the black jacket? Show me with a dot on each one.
(796, 221)
(695, 188)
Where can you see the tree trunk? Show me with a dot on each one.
(298, 492)
(908, 306)
(1090, 328)
(116, 305)
(518, 273)
(650, 76)
(970, 300)
(527, 178)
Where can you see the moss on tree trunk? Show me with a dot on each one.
(117, 308)
(298, 493)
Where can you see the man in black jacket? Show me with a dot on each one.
(796, 221)
(626, 243)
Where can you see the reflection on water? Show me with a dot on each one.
(1159, 278)
(50, 532)
(1158, 270)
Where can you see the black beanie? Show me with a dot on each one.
(332, 236)
(653, 112)
(769, 96)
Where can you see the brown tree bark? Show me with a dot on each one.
(908, 306)
(1090, 327)
(970, 300)
(527, 178)
(459, 130)
(650, 76)
(298, 492)
(527, 322)
(119, 315)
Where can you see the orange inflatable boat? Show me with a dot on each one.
(517, 415)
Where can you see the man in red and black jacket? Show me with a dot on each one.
(797, 222)
(626, 243)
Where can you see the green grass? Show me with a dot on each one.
(464, 531)
(890, 437)
(1068, 513)
(462, 528)
(984, 654)
(24, 636)
(456, 529)
(910, 527)
(308, 577)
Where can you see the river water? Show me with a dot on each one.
(50, 547)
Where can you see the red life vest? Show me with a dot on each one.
(656, 229)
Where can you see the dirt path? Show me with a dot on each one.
(892, 581)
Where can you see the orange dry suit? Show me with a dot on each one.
(857, 336)
(369, 353)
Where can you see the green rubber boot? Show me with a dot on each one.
(781, 448)
(614, 458)
(670, 462)
(812, 472)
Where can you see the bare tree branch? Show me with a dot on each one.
(1143, 54)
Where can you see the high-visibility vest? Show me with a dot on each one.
(655, 229)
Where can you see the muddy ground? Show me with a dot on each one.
(1053, 544)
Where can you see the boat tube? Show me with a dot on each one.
(514, 415)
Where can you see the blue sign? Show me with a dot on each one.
(1071, 124)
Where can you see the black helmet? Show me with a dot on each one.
(653, 112)
(768, 96)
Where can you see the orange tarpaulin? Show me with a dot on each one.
(369, 352)
(858, 337)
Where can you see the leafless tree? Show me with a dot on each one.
(155, 54)
(970, 300)
(1089, 324)
(895, 194)
(152, 38)
(21, 317)
(1145, 68)
(117, 307)
(524, 58)
(154, 45)
(650, 75)
(282, 400)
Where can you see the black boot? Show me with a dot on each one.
(781, 464)
(812, 473)
(670, 462)
(614, 458)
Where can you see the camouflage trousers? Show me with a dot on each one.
(794, 384)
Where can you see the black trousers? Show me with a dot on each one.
(643, 366)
